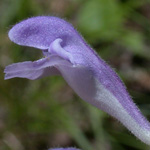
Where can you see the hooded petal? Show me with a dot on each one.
(39, 32)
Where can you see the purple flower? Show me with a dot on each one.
(70, 148)
(67, 54)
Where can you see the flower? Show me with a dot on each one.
(70, 148)
(67, 54)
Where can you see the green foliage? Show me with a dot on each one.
(101, 19)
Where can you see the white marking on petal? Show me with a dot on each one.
(108, 102)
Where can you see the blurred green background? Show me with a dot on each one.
(39, 114)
